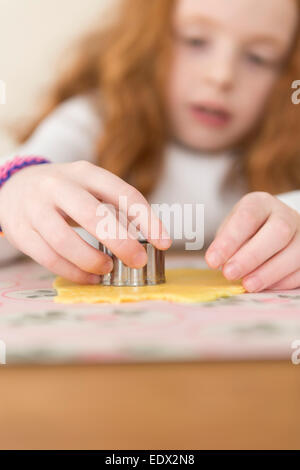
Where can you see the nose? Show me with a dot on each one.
(220, 69)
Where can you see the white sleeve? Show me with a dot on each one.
(291, 199)
(69, 133)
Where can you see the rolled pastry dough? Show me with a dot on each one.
(183, 285)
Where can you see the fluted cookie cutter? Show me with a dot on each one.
(150, 275)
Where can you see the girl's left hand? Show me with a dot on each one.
(259, 242)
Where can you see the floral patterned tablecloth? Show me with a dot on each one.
(37, 330)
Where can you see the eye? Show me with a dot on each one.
(195, 42)
(192, 41)
(258, 60)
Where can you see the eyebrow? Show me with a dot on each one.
(190, 19)
(269, 39)
(194, 19)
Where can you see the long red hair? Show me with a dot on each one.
(128, 63)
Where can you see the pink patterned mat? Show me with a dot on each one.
(37, 330)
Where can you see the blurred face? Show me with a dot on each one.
(227, 57)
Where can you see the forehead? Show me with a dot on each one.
(275, 18)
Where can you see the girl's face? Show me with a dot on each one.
(227, 58)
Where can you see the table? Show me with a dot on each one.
(252, 405)
(156, 376)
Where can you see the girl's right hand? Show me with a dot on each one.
(38, 203)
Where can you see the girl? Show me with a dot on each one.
(176, 101)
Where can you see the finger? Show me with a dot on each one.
(245, 221)
(275, 235)
(42, 253)
(100, 183)
(292, 281)
(83, 207)
(67, 243)
(275, 269)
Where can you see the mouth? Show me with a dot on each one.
(211, 115)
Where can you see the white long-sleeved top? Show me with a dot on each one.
(71, 132)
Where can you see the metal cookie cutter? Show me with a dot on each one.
(150, 275)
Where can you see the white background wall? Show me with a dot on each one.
(33, 36)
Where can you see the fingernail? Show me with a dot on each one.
(108, 266)
(140, 259)
(252, 284)
(214, 259)
(165, 243)
(232, 271)
(94, 279)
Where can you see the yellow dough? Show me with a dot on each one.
(183, 285)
